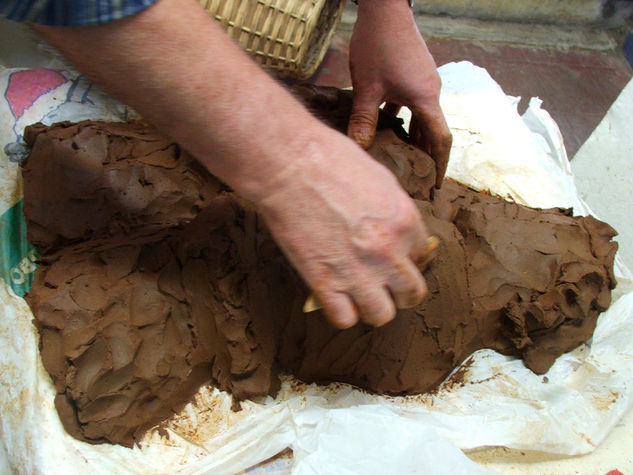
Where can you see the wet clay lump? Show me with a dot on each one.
(156, 278)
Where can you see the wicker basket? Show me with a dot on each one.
(288, 37)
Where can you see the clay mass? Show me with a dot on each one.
(155, 278)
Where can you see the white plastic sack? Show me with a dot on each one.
(500, 402)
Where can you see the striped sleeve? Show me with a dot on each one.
(70, 12)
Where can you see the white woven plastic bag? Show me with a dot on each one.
(502, 403)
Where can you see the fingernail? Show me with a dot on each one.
(432, 243)
(362, 139)
(381, 322)
(345, 324)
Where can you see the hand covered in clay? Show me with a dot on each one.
(351, 231)
(389, 61)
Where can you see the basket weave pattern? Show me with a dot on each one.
(289, 37)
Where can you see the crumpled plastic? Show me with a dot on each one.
(495, 401)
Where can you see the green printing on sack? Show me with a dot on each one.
(17, 256)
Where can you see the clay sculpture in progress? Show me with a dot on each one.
(156, 278)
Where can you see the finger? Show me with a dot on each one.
(339, 309)
(392, 108)
(421, 242)
(425, 256)
(430, 132)
(407, 286)
(364, 117)
(375, 306)
(415, 134)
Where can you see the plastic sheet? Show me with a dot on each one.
(496, 400)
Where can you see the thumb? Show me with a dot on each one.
(364, 118)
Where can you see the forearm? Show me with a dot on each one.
(339, 216)
(177, 68)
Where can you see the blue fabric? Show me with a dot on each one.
(70, 12)
(628, 48)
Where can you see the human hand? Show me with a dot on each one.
(340, 217)
(351, 231)
(389, 61)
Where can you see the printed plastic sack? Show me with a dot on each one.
(588, 390)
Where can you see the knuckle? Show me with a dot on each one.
(407, 218)
(413, 297)
(363, 117)
(433, 83)
(430, 94)
(388, 238)
(374, 240)
(368, 89)
(427, 98)
(337, 308)
(340, 319)
(447, 139)
(377, 312)
(436, 82)
(379, 246)
(407, 286)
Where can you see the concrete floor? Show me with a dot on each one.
(577, 72)
(19, 47)
(603, 166)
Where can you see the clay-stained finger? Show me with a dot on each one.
(407, 286)
(416, 136)
(364, 117)
(429, 131)
(423, 244)
(375, 305)
(427, 253)
(339, 309)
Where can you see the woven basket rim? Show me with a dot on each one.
(287, 37)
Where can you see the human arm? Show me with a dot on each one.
(340, 217)
(389, 61)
